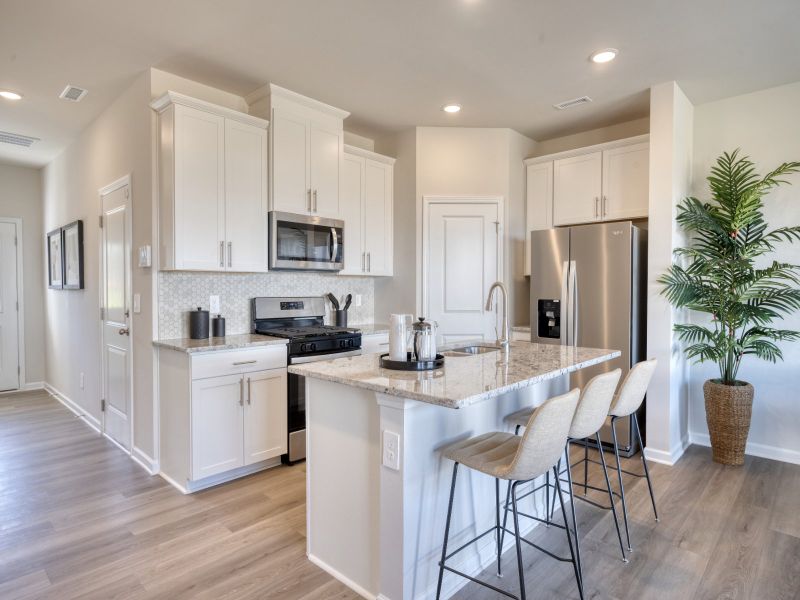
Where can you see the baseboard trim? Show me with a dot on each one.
(75, 408)
(345, 580)
(211, 481)
(33, 385)
(144, 460)
(668, 458)
(753, 449)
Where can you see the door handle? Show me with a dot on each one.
(248, 391)
(222, 254)
(335, 245)
(230, 254)
(575, 321)
(309, 200)
(564, 303)
(124, 331)
(315, 200)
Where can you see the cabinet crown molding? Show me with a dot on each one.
(168, 98)
(356, 151)
(279, 92)
(638, 139)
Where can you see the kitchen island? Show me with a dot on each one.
(377, 485)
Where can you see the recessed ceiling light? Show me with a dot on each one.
(451, 108)
(9, 95)
(604, 56)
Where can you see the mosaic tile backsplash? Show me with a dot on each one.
(181, 292)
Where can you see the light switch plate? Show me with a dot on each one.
(358, 299)
(213, 305)
(391, 450)
(145, 256)
(137, 303)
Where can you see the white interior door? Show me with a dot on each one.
(9, 324)
(115, 290)
(462, 263)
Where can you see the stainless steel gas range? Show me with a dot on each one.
(301, 321)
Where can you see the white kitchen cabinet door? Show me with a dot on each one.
(289, 155)
(350, 202)
(626, 180)
(199, 199)
(375, 344)
(217, 425)
(265, 415)
(539, 203)
(245, 197)
(577, 189)
(378, 237)
(325, 151)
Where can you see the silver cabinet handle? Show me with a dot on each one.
(315, 200)
(222, 254)
(596, 207)
(244, 362)
(241, 392)
(363, 261)
(309, 199)
(605, 206)
(369, 262)
(335, 246)
(248, 391)
(230, 254)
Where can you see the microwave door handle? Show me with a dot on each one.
(564, 303)
(335, 247)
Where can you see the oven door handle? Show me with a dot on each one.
(299, 360)
(335, 247)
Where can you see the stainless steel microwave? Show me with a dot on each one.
(305, 242)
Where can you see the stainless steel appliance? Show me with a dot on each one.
(588, 287)
(303, 242)
(301, 321)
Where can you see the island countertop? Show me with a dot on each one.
(463, 380)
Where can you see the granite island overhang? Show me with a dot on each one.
(377, 485)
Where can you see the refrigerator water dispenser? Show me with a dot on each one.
(549, 321)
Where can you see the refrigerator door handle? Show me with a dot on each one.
(565, 303)
(573, 270)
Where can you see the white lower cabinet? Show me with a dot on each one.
(376, 343)
(223, 414)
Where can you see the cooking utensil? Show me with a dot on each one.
(347, 301)
(333, 300)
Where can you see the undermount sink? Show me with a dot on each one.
(466, 350)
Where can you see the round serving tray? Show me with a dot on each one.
(412, 365)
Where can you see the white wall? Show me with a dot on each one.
(593, 136)
(21, 197)
(117, 143)
(765, 125)
(671, 116)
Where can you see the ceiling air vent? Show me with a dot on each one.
(73, 93)
(17, 139)
(574, 102)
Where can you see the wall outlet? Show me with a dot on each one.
(358, 299)
(81, 380)
(391, 450)
(213, 305)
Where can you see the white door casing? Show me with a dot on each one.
(115, 291)
(9, 308)
(461, 259)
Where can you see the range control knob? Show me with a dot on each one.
(302, 347)
(312, 347)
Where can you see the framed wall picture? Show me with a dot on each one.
(55, 260)
(72, 247)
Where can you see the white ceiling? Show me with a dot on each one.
(393, 63)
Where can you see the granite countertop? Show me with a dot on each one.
(372, 328)
(463, 380)
(229, 342)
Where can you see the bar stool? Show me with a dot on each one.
(516, 459)
(590, 414)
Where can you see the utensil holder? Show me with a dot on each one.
(340, 318)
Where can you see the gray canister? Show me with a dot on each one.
(198, 324)
(218, 326)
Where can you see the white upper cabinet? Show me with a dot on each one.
(212, 187)
(366, 195)
(306, 150)
(626, 180)
(577, 188)
(539, 203)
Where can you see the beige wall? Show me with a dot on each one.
(593, 136)
(21, 197)
(117, 143)
(766, 127)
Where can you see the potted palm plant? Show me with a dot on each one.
(717, 274)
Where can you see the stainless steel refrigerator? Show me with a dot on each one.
(588, 287)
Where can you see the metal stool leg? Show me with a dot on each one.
(505, 521)
(644, 464)
(519, 543)
(574, 518)
(446, 531)
(497, 525)
(547, 511)
(569, 536)
(585, 466)
(610, 496)
(621, 486)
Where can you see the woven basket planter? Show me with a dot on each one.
(728, 411)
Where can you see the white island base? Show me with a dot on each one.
(377, 484)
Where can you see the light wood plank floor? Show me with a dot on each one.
(79, 519)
